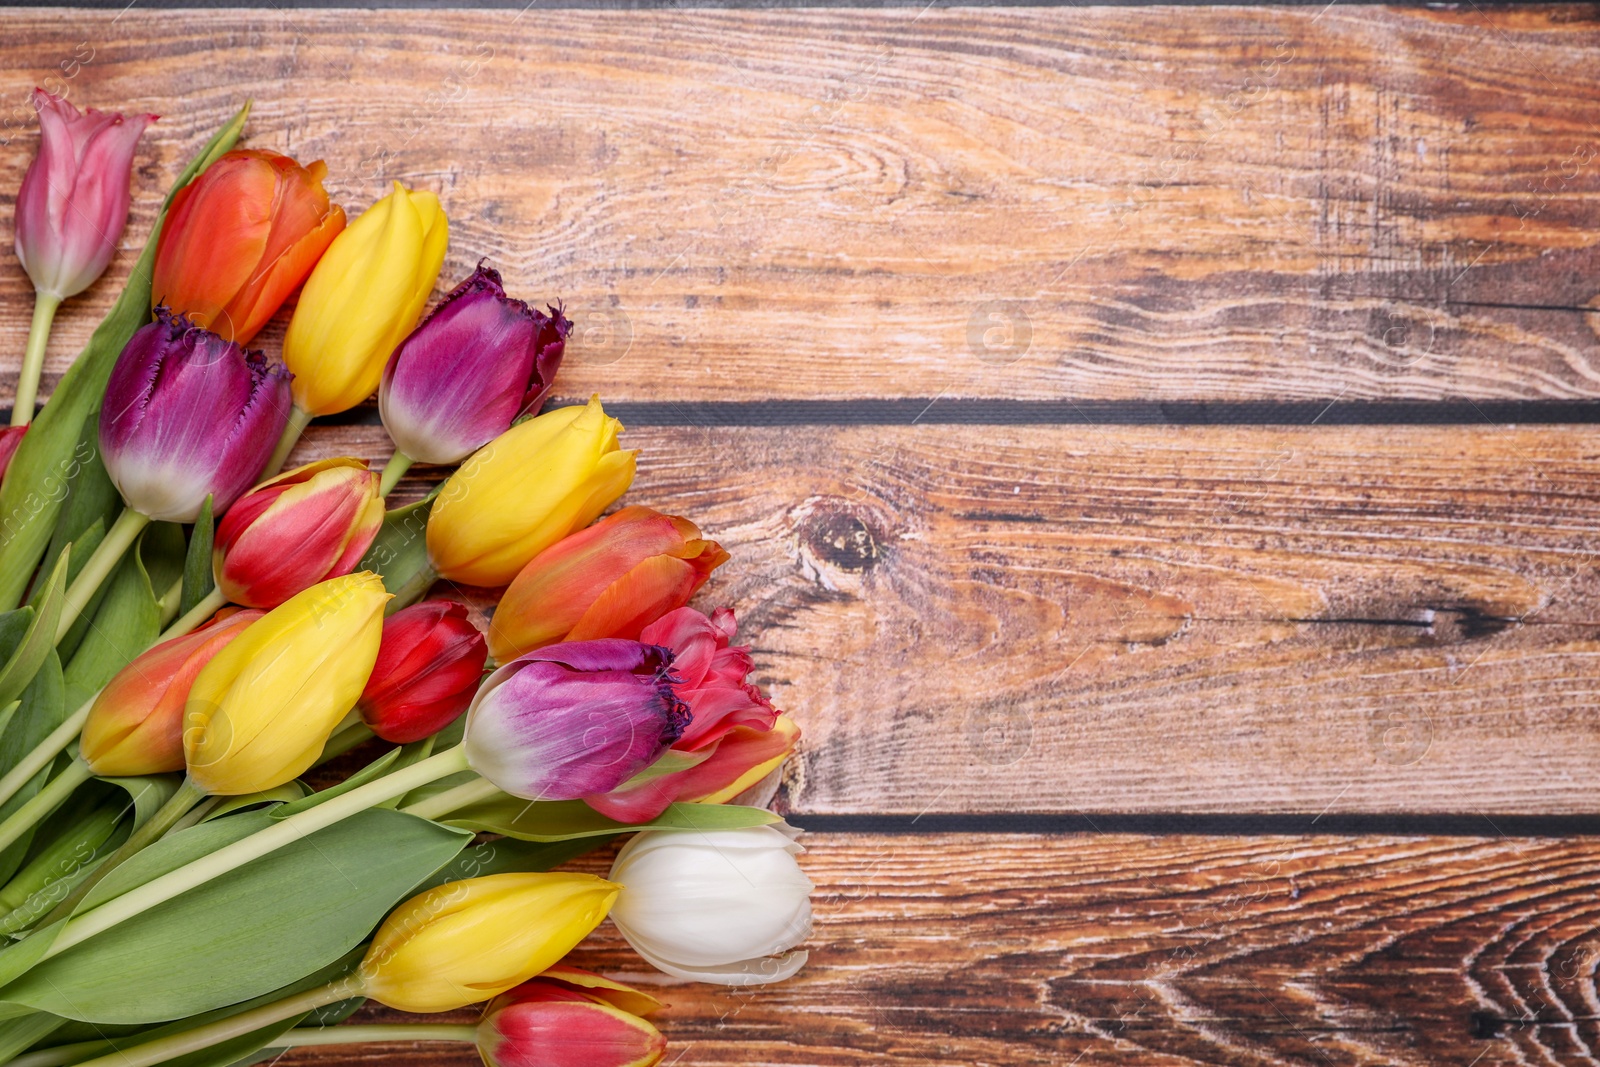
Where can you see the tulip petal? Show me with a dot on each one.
(570, 1034)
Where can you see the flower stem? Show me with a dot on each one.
(396, 468)
(59, 738)
(169, 602)
(285, 832)
(452, 799)
(44, 313)
(106, 556)
(203, 1037)
(412, 589)
(355, 1035)
(185, 797)
(194, 616)
(298, 421)
(42, 803)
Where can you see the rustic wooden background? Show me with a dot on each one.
(1157, 447)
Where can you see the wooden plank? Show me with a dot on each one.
(1155, 951)
(1234, 202)
(1150, 619)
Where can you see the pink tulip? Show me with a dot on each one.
(73, 204)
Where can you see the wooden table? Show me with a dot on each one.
(1155, 445)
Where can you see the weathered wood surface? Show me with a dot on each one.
(1120, 202)
(1156, 619)
(1163, 952)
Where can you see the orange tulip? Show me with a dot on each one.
(610, 580)
(136, 724)
(240, 238)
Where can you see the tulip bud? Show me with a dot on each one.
(362, 298)
(568, 1017)
(574, 719)
(239, 239)
(429, 666)
(465, 942)
(480, 360)
(735, 734)
(526, 490)
(720, 906)
(188, 415)
(293, 531)
(135, 725)
(73, 204)
(610, 580)
(259, 713)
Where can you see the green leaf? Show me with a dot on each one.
(148, 793)
(122, 1037)
(161, 547)
(506, 856)
(244, 933)
(40, 637)
(671, 762)
(286, 793)
(82, 549)
(52, 453)
(562, 820)
(42, 709)
(376, 769)
(92, 503)
(198, 579)
(19, 1033)
(399, 554)
(127, 623)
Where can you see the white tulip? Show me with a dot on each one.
(720, 906)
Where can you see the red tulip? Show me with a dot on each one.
(569, 1017)
(73, 204)
(240, 238)
(610, 580)
(735, 737)
(135, 725)
(303, 527)
(428, 669)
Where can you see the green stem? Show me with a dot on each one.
(59, 738)
(169, 602)
(44, 313)
(106, 556)
(203, 1037)
(398, 464)
(45, 801)
(196, 815)
(185, 797)
(298, 421)
(195, 616)
(452, 799)
(64, 1055)
(410, 592)
(229, 857)
(344, 740)
(358, 1035)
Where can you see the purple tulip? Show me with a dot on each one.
(479, 361)
(73, 204)
(188, 414)
(575, 719)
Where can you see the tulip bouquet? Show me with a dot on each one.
(262, 757)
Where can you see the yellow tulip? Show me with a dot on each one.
(259, 713)
(465, 942)
(524, 491)
(364, 296)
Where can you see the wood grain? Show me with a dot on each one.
(1156, 619)
(1170, 951)
(1191, 203)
